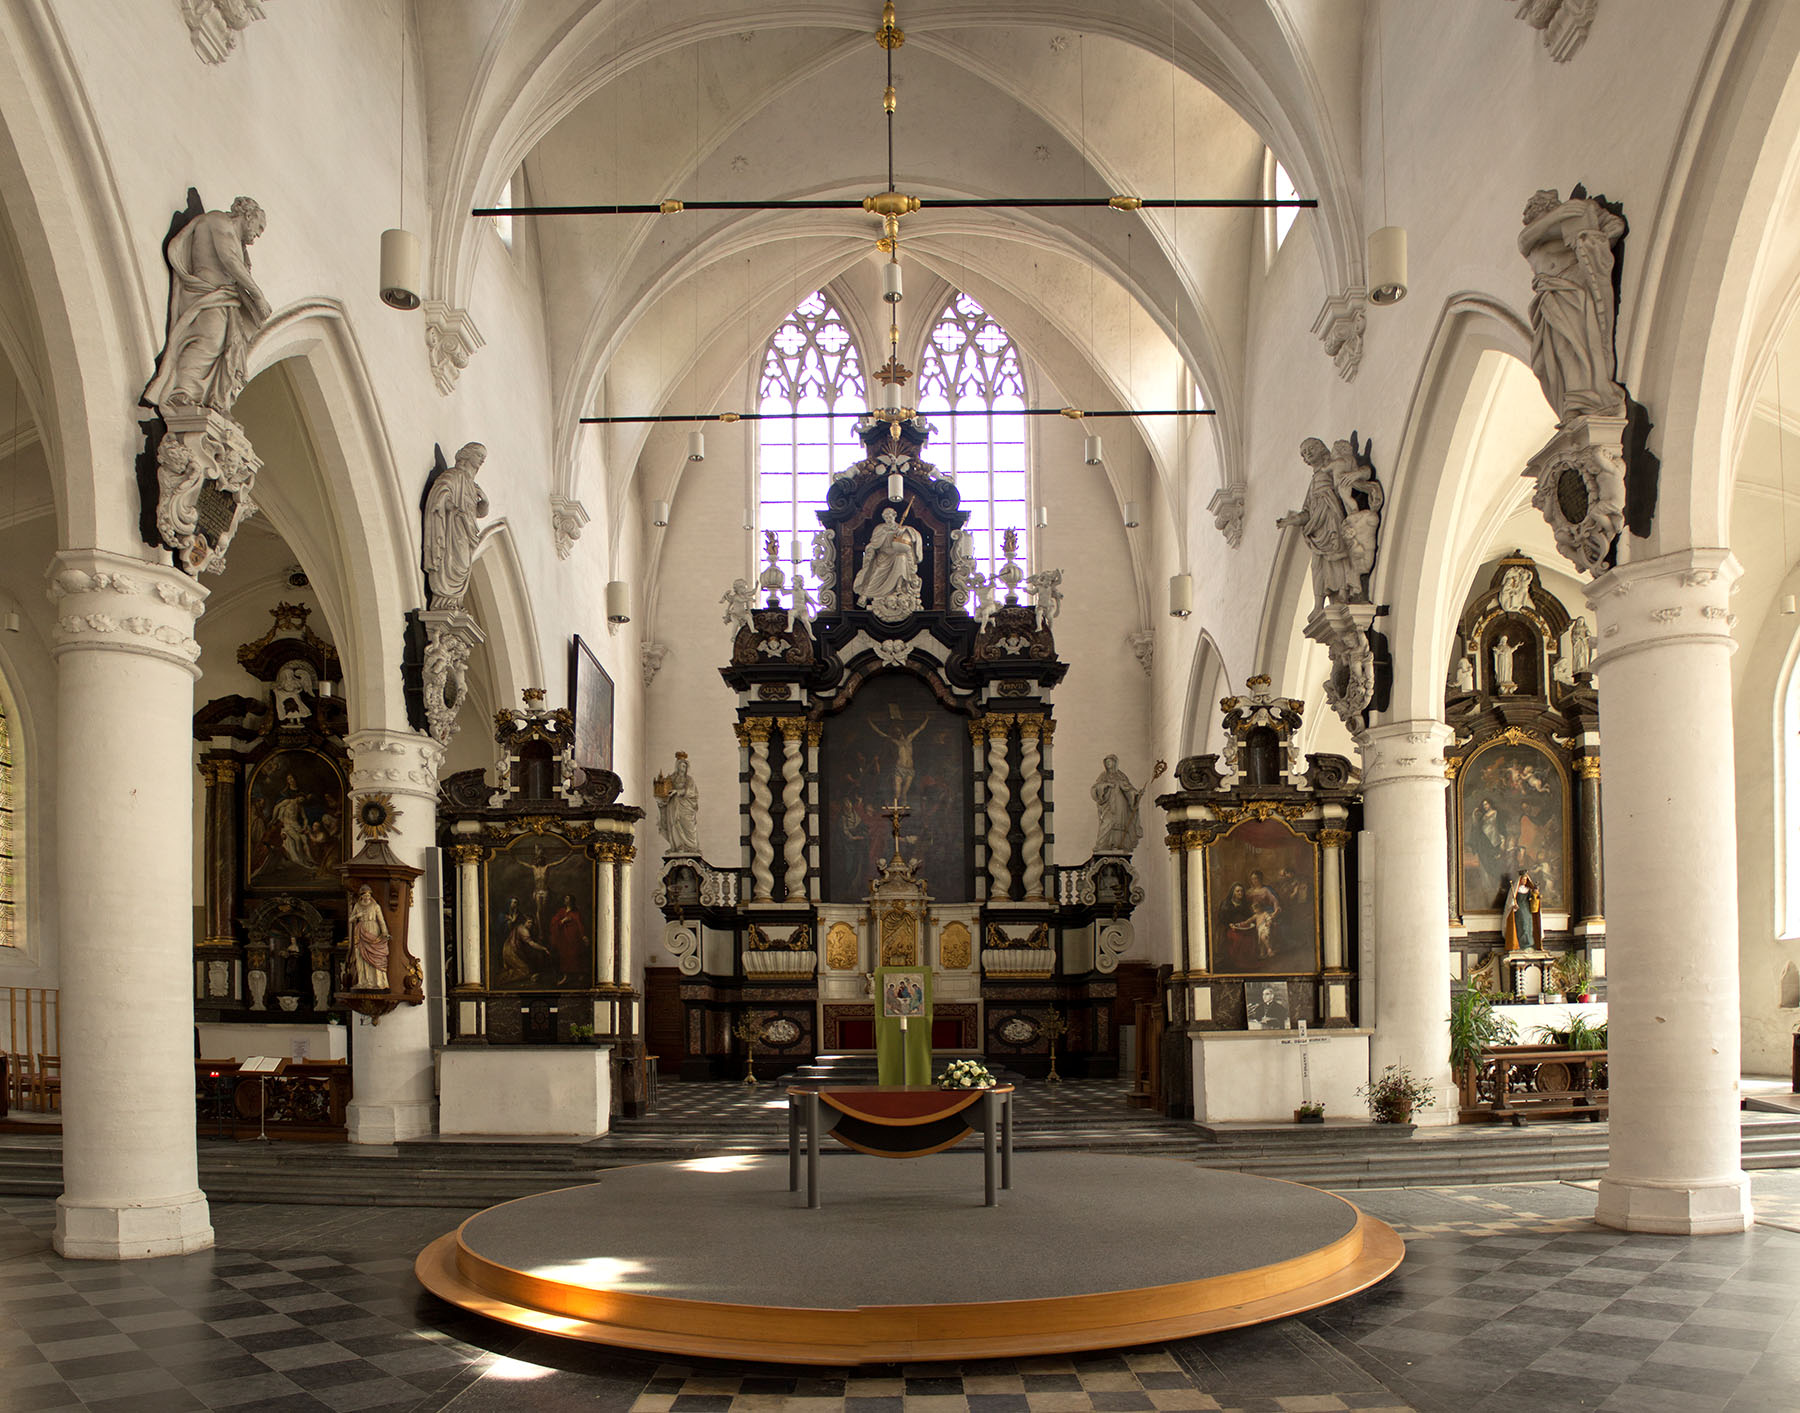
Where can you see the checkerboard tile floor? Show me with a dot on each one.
(1510, 1301)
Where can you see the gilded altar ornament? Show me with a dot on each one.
(955, 947)
(1054, 1027)
(840, 947)
(376, 815)
(750, 1030)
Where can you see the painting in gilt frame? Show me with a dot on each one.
(1262, 889)
(294, 822)
(540, 898)
(897, 741)
(1512, 813)
(591, 699)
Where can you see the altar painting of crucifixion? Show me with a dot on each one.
(893, 744)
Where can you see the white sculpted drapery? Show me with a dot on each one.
(1117, 799)
(890, 567)
(452, 531)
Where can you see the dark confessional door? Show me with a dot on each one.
(665, 1034)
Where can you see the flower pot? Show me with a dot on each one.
(1302, 1117)
(1550, 998)
(1398, 1112)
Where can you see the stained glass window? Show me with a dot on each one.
(971, 366)
(11, 926)
(810, 365)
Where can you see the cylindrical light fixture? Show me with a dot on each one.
(1133, 515)
(1787, 606)
(1043, 517)
(12, 619)
(1181, 595)
(696, 445)
(749, 518)
(1387, 265)
(891, 289)
(795, 554)
(618, 602)
(1092, 453)
(400, 269)
(896, 486)
(659, 512)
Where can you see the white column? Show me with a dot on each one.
(468, 913)
(391, 1063)
(627, 962)
(755, 733)
(605, 927)
(1403, 812)
(999, 796)
(793, 818)
(1674, 1161)
(1031, 794)
(1331, 895)
(1194, 860)
(124, 781)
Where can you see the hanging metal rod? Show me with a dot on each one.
(955, 203)
(904, 414)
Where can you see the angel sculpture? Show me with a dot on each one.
(739, 600)
(1045, 588)
(1569, 245)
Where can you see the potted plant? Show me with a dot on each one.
(1395, 1093)
(1569, 975)
(581, 1034)
(1474, 1025)
(1310, 1114)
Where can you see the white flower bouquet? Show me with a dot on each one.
(965, 1074)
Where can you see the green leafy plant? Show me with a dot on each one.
(1578, 1034)
(1474, 1025)
(1309, 1111)
(581, 1032)
(1395, 1093)
(1570, 974)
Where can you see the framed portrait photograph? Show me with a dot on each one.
(1262, 892)
(591, 699)
(903, 993)
(1266, 1006)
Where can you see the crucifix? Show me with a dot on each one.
(895, 813)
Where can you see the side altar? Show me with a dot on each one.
(895, 740)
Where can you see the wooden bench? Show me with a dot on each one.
(1518, 1082)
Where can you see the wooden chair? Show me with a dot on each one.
(46, 1084)
(18, 1081)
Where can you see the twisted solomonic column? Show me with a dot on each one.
(793, 811)
(755, 734)
(999, 796)
(1031, 818)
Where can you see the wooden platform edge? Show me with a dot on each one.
(882, 1334)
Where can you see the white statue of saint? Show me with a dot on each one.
(1569, 245)
(1340, 533)
(1465, 674)
(1046, 595)
(739, 600)
(678, 808)
(1515, 589)
(889, 576)
(368, 943)
(215, 310)
(452, 528)
(1503, 663)
(1116, 798)
(1581, 646)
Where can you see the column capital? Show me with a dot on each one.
(1673, 598)
(113, 603)
(1404, 750)
(399, 762)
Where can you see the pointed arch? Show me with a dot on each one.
(1207, 682)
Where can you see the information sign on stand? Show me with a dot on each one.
(265, 1068)
(903, 1025)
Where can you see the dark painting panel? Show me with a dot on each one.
(591, 699)
(1263, 901)
(1512, 813)
(294, 822)
(896, 741)
(540, 900)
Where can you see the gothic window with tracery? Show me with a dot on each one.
(971, 366)
(810, 366)
(11, 925)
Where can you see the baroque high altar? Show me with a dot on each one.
(895, 745)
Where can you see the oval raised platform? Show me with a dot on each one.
(716, 1257)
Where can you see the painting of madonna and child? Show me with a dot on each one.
(1262, 889)
(1511, 816)
(540, 908)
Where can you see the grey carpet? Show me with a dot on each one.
(906, 1232)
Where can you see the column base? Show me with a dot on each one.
(98, 1231)
(1675, 1208)
(389, 1123)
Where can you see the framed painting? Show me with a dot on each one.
(540, 896)
(591, 699)
(896, 743)
(1262, 893)
(904, 993)
(294, 809)
(1512, 815)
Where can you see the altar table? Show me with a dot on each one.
(902, 1121)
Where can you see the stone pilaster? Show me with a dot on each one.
(392, 1062)
(1664, 664)
(1403, 813)
(124, 780)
